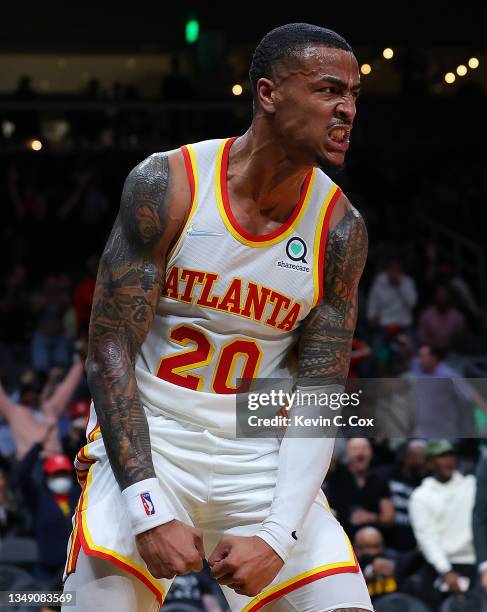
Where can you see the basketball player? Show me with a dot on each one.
(223, 255)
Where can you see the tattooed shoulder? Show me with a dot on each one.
(143, 205)
(345, 254)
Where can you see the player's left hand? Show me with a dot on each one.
(245, 564)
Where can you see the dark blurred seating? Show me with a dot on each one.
(18, 551)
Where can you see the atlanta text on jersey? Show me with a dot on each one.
(247, 299)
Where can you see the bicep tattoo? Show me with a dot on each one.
(128, 286)
(327, 332)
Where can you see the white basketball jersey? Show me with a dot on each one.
(232, 302)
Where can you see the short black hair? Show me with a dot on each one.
(286, 41)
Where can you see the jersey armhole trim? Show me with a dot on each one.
(320, 242)
(192, 174)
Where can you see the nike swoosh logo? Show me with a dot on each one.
(191, 231)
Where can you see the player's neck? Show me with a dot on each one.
(260, 169)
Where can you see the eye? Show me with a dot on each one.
(327, 89)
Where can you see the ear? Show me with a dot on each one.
(266, 94)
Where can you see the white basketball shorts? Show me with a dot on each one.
(222, 486)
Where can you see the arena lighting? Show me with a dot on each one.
(388, 53)
(237, 89)
(473, 62)
(36, 145)
(449, 77)
(192, 31)
(461, 70)
(365, 68)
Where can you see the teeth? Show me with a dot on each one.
(338, 133)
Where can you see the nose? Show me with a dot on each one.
(346, 108)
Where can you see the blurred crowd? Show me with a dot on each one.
(99, 117)
(412, 500)
(418, 522)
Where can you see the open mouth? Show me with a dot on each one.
(339, 134)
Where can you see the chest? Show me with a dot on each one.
(272, 278)
(274, 281)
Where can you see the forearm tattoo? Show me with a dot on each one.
(128, 286)
(327, 332)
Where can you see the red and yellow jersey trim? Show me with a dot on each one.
(320, 242)
(82, 464)
(81, 537)
(264, 598)
(73, 550)
(228, 218)
(192, 174)
(95, 433)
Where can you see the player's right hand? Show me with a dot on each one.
(172, 548)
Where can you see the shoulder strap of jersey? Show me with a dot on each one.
(192, 176)
(198, 159)
(332, 195)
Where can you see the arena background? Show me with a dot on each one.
(87, 91)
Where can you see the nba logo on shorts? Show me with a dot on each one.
(148, 505)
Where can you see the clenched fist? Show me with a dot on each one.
(245, 564)
(171, 549)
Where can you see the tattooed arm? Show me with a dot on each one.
(127, 289)
(324, 356)
(326, 334)
(153, 206)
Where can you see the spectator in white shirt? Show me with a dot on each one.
(440, 511)
(392, 297)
